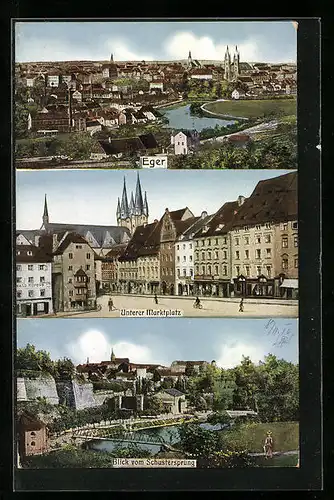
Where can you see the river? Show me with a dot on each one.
(180, 118)
(169, 434)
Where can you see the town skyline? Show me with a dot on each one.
(154, 341)
(262, 41)
(97, 202)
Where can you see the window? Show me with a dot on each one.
(30, 267)
(209, 242)
(70, 268)
(284, 226)
(285, 242)
(178, 258)
(216, 241)
(203, 270)
(258, 268)
(197, 256)
(258, 226)
(191, 258)
(225, 270)
(216, 270)
(70, 280)
(42, 293)
(236, 240)
(269, 271)
(246, 240)
(30, 293)
(294, 225)
(295, 241)
(184, 272)
(268, 226)
(191, 272)
(258, 254)
(237, 268)
(268, 252)
(267, 238)
(78, 247)
(209, 255)
(178, 247)
(32, 443)
(216, 254)
(18, 280)
(19, 267)
(88, 267)
(246, 254)
(183, 246)
(224, 254)
(209, 270)
(296, 261)
(285, 263)
(196, 244)
(237, 255)
(197, 269)
(70, 293)
(247, 271)
(190, 246)
(203, 243)
(70, 255)
(246, 228)
(258, 238)
(30, 279)
(42, 279)
(29, 252)
(203, 256)
(224, 241)
(87, 256)
(184, 258)
(41, 267)
(19, 294)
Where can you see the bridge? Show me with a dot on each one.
(118, 436)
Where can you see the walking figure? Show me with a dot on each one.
(268, 445)
(156, 298)
(110, 304)
(241, 306)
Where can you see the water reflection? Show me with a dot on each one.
(181, 118)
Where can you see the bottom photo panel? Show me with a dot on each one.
(167, 393)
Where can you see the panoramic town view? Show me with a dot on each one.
(164, 249)
(184, 98)
(112, 390)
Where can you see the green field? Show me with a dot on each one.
(254, 108)
(278, 461)
(251, 436)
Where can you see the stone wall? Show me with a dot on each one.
(21, 394)
(43, 386)
(101, 396)
(78, 396)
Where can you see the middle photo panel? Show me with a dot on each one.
(157, 243)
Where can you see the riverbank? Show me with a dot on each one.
(252, 108)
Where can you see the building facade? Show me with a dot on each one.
(33, 279)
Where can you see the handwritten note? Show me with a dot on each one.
(281, 335)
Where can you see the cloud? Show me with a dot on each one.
(231, 354)
(121, 52)
(205, 47)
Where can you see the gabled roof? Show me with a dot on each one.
(30, 423)
(37, 254)
(219, 223)
(70, 238)
(98, 232)
(80, 272)
(173, 392)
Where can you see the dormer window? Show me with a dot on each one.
(219, 227)
(29, 252)
(205, 229)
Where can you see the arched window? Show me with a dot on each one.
(33, 433)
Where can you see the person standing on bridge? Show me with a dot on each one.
(156, 298)
(241, 306)
(110, 304)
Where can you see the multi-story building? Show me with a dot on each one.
(73, 272)
(264, 240)
(213, 253)
(33, 279)
(184, 257)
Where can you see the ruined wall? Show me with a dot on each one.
(43, 386)
(78, 396)
(21, 394)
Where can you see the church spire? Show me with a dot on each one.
(124, 205)
(139, 204)
(45, 212)
(132, 205)
(118, 211)
(111, 57)
(146, 205)
(112, 356)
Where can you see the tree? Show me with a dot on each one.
(28, 358)
(20, 120)
(246, 379)
(64, 369)
(197, 441)
(78, 146)
(156, 376)
(190, 370)
(167, 383)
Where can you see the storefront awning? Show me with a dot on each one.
(290, 284)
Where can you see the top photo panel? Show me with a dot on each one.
(147, 94)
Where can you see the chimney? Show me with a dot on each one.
(204, 214)
(241, 200)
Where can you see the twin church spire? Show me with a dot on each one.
(135, 213)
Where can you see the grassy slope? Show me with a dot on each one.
(252, 436)
(253, 108)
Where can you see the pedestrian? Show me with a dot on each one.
(110, 304)
(156, 298)
(268, 445)
(241, 306)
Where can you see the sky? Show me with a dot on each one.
(90, 197)
(264, 41)
(158, 341)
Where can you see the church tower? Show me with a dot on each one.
(236, 61)
(227, 65)
(134, 214)
(189, 65)
(112, 356)
(45, 215)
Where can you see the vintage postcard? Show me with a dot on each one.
(157, 243)
(178, 95)
(151, 393)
